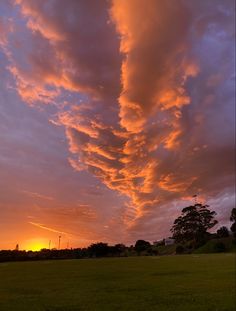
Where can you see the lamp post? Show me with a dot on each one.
(59, 242)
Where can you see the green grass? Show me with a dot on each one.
(211, 246)
(188, 282)
(166, 249)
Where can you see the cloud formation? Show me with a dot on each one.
(143, 89)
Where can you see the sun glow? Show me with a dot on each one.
(35, 244)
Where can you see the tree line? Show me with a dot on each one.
(189, 232)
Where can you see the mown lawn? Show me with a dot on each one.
(188, 282)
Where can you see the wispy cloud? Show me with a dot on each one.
(37, 195)
(41, 226)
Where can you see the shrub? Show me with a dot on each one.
(179, 249)
(219, 247)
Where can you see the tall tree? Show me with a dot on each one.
(233, 219)
(193, 224)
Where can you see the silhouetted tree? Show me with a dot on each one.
(223, 232)
(193, 224)
(98, 250)
(233, 219)
(119, 249)
(141, 246)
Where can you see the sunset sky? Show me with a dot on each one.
(113, 114)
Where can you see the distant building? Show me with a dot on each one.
(169, 241)
(159, 243)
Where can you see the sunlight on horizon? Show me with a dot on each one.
(35, 244)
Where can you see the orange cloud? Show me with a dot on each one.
(173, 184)
(132, 130)
(30, 90)
(152, 74)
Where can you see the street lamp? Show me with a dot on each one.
(59, 242)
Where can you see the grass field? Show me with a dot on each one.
(188, 282)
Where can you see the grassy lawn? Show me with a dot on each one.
(188, 282)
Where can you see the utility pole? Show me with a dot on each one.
(195, 198)
(59, 242)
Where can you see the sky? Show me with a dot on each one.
(113, 114)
